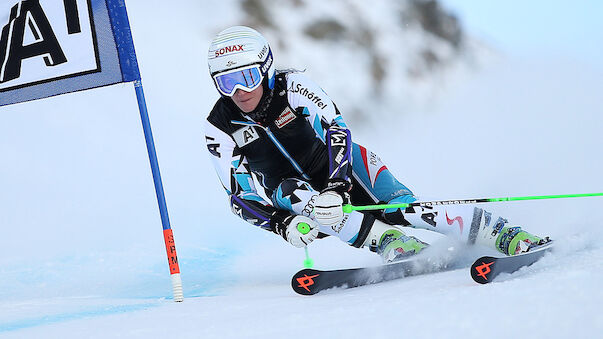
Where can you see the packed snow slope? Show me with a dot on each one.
(83, 253)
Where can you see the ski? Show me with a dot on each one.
(310, 281)
(485, 269)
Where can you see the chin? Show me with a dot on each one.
(247, 107)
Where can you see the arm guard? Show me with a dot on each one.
(339, 144)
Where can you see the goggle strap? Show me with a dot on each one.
(265, 66)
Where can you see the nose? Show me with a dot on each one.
(240, 93)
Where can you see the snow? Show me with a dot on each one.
(83, 253)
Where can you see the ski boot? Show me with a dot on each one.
(391, 243)
(514, 240)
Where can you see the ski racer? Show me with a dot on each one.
(284, 130)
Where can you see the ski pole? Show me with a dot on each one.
(308, 262)
(304, 228)
(350, 208)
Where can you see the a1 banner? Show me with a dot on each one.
(51, 47)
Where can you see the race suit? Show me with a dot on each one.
(303, 144)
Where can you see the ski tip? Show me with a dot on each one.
(482, 268)
(305, 281)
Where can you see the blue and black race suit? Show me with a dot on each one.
(304, 138)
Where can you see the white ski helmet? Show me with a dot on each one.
(240, 48)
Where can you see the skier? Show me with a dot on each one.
(283, 129)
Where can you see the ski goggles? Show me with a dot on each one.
(246, 78)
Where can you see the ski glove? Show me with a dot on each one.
(328, 207)
(298, 230)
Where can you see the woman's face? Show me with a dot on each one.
(248, 101)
